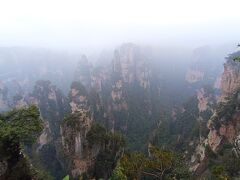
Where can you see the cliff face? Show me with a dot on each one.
(79, 157)
(231, 78)
(132, 65)
(102, 95)
(206, 99)
(84, 142)
(130, 79)
(115, 86)
(52, 105)
(224, 124)
(193, 76)
(74, 130)
(4, 106)
(189, 121)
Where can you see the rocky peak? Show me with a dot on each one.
(206, 99)
(74, 130)
(79, 98)
(230, 81)
(131, 64)
(83, 72)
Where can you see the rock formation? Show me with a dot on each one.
(83, 72)
(4, 105)
(74, 130)
(52, 104)
(82, 140)
(224, 124)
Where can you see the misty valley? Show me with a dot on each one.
(135, 112)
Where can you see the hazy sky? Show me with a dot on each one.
(101, 23)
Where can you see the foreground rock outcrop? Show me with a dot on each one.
(224, 124)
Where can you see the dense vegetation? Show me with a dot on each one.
(18, 128)
(159, 164)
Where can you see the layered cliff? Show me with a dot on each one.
(223, 125)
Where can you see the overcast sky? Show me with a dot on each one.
(73, 24)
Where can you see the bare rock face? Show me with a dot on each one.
(217, 83)
(206, 100)
(200, 156)
(231, 78)
(45, 136)
(132, 65)
(203, 100)
(228, 126)
(193, 76)
(79, 98)
(118, 97)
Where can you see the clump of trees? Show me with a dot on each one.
(223, 165)
(159, 164)
(19, 128)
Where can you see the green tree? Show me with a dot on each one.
(134, 164)
(160, 161)
(160, 164)
(118, 173)
(18, 128)
(219, 173)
